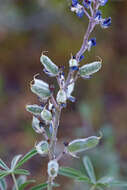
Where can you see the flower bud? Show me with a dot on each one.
(90, 68)
(61, 97)
(49, 66)
(80, 145)
(36, 125)
(42, 147)
(40, 88)
(46, 115)
(53, 168)
(34, 109)
(73, 64)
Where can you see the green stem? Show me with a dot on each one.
(15, 182)
(49, 186)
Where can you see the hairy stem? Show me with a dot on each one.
(14, 180)
(54, 135)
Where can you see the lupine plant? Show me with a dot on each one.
(46, 116)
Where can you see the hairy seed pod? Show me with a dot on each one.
(36, 125)
(42, 147)
(34, 109)
(46, 115)
(40, 88)
(90, 68)
(80, 145)
(61, 97)
(49, 66)
(53, 168)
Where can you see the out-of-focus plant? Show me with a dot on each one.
(46, 116)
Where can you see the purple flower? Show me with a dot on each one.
(106, 22)
(81, 58)
(103, 2)
(86, 3)
(74, 2)
(91, 43)
(78, 9)
(74, 68)
(98, 16)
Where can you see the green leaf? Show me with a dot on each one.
(84, 179)
(20, 180)
(39, 187)
(28, 156)
(105, 180)
(70, 172)
(43, 186)
(22, 186)
(14, 161)
(117, 183)
(3, 174)
(3, 184)
(3, 165)
(89, 168)
(80, 145)
(110, 181)
(21, 172)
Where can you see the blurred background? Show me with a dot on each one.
(29, 27)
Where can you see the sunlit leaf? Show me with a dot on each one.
(28, 156)
(3, 165)
(14, 161)
(89, 168)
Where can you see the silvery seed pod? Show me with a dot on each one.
(80, 145)
(50, 106)
(73, 63)
(49, 66)
(61, 96)
(34, 109)
(53, 168)
(36, 125)
(42, 147)
(90, 68)
(40, 88)
(46, 115)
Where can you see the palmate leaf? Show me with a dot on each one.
(89, 168)
(3, 165)
(3, 184)
(72, 173)
(14, 161)
(21, 172)
(28, 156)
(43, 186)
